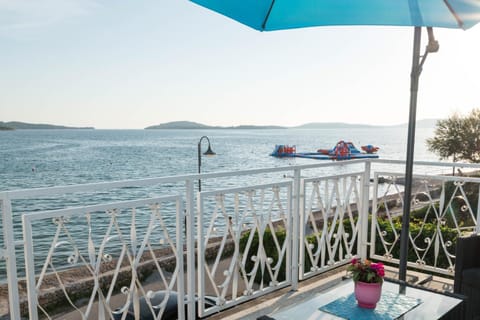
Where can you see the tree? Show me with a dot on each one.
(448, 139)
(471, 135)
(457, 137)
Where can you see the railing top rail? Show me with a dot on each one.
(430, 177)
(337, 176)
(97, 208)
(429, 163)
(89, 187)
(254, 187)
(34, 192)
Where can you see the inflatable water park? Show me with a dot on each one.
(343, 150)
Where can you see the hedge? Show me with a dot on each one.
(429, 228)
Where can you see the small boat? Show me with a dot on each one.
(342, 151)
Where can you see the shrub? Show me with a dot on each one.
(419, 214)
(270, 250)
(420, 234)
(419, 231)
(459, 203)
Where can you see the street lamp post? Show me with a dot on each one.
(209, 152)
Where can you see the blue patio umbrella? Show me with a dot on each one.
(270, 15)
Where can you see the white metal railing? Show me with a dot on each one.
(442, 210)
(119, 237)
(328, 202)
(243, 214)
(16, 203)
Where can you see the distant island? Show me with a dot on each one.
(16, 125)
(190, 125)
(426, 123)
(195, 125)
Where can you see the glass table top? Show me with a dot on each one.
(433, 305)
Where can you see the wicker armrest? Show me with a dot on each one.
(467, 257)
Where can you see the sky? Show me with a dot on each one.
(131, 64)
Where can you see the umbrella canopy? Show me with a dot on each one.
(269, 15)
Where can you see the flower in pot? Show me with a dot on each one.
(368, 279)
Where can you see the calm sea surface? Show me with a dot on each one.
(42, 158)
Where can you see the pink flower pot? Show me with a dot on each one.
(367, 294)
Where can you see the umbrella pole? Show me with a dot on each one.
(414, 77)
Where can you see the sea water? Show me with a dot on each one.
(41, 158)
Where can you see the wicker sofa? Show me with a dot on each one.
(467, 273)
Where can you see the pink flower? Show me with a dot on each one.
(378, 268)
(366, 271)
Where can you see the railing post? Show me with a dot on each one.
(10, 257)
(180, 262)
(373, 230)
(363, 216)
(30, 269)
(190, 235)
(295, 228)
(302, 234)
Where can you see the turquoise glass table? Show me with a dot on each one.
(432, 305)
